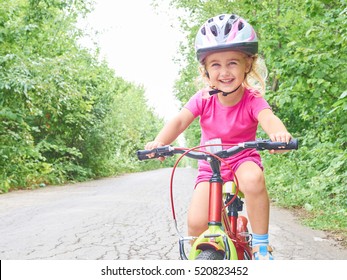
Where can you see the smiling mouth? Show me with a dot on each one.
(226, 81)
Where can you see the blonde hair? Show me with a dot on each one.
(257, 76)
(254, 79)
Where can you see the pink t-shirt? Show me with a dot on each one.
(232, 124)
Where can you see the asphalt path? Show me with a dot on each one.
(127, 218)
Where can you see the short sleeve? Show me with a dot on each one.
(257, 104)
(194, 105)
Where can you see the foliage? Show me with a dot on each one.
(64, 114)
(304, 44)
(315, 184)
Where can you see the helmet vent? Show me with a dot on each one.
(241, 25)
(227, 28)
(214, 30)
(203, 30)
(221, 17)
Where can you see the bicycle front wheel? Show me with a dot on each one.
(210, 254)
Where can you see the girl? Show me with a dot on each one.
(229, 110)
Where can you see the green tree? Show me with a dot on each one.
(64, 114)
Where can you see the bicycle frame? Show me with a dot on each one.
(222, 233)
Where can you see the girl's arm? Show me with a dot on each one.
(273, 126)
(172, 129)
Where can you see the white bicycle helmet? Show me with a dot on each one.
(225, 32)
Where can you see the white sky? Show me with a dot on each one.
(140, 43)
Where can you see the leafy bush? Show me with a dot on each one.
(314, 183)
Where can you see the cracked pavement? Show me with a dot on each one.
(127, 217)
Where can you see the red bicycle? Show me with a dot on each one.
(227, 236)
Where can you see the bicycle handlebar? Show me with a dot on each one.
(259, 145)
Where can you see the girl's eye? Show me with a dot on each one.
(214, 65)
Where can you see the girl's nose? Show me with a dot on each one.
(224, 71)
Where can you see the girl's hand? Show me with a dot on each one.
(282, 136)
(153, 145)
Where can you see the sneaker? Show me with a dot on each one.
(262, 252)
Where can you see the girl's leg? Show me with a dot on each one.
(252, 184)
(198, 210)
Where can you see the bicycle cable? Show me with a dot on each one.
(187, 150)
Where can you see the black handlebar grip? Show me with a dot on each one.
(143, 154)
(158, 152)
(292, 145)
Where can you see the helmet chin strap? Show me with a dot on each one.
(214, 91)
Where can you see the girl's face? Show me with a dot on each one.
(227, 70)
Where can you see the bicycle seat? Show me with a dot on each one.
(230, 187)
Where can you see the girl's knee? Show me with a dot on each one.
(196, 227)
(251, 179)
(255, 179)
(197, 220)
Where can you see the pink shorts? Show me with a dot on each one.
(205, 171)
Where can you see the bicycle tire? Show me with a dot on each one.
(210, 254)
